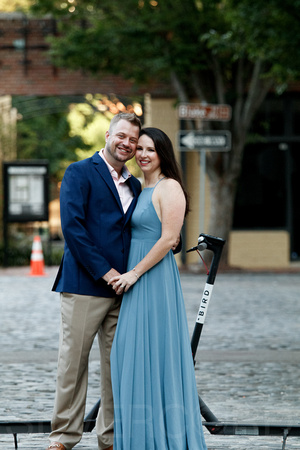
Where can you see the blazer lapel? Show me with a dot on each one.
(102, 169)
(134, 200)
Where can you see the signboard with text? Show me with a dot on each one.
(25, 191)
(204, 140)
(193, 111)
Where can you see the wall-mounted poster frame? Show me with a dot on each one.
(26, 191)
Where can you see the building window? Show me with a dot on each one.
(268, 189)
(260, 200)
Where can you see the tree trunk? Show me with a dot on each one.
(222, 197)
(224, 172)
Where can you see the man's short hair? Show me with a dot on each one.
(130, 117)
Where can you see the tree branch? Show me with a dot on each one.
(182, 94)
(179, 88)
(219, 82)
(239, 84)
(197, 87)
(252, 91)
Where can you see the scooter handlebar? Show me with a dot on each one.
(207, 242)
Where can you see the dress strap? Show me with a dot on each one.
(159, 182)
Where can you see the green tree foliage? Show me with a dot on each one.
(49, 137)
(143, 39)
(90, 126)
(216, 51)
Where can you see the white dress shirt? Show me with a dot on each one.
(123, 189)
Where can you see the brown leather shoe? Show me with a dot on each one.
(56, 445)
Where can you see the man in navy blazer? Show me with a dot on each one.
(98, 196)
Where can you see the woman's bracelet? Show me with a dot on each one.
(135, 273)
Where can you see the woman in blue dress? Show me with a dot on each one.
(156, 403)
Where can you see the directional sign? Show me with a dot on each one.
(205, 140)
(217, 112)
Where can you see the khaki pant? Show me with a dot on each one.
(82, 318)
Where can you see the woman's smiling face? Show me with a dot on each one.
(146, 156)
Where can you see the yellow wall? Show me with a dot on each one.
(8, 135)
(247, 249)
(259, 249)
(193, 230)
(161, 113)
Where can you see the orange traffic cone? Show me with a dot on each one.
(37, 258)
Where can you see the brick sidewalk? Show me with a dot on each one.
(247, 366)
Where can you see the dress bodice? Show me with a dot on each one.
(145, 224)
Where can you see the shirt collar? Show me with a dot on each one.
(125, 172)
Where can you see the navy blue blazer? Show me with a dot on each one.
(96, 230)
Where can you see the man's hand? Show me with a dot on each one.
(178, 245)
(123, 282)
(109, 275)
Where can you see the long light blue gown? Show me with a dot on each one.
(155, 396)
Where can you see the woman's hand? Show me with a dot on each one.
(121, 283)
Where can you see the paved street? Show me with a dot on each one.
(248, 360)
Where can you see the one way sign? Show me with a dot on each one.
(200, 140)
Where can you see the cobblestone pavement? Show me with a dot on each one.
(247, 367)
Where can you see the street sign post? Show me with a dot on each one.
(201, 111)
(205, 140)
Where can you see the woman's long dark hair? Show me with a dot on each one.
(168, 164)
